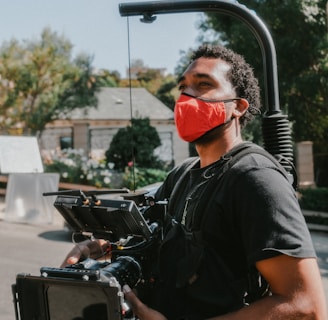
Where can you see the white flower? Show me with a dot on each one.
(69, 163)
(106, 180)
(105, 173)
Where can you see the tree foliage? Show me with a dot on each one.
(39, 81)
(134, 144)
(154, 80)
(299, 30)
(166, 93)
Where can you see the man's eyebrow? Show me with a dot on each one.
(197, 75)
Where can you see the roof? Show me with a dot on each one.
(114, 104)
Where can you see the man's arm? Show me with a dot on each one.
(296, 286)
(297, 292)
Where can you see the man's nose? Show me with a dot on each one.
(190, 91)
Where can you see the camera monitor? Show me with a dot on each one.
(106, 218)
(65, 299)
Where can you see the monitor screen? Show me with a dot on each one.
(76, 303)
(109, 219)
(65, 299)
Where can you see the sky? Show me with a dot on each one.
(96, 27)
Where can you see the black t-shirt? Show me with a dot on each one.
(251, 213)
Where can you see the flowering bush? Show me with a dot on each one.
(74, 167)
(135, 178)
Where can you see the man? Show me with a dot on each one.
(236, 245)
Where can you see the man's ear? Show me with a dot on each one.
(241, 107)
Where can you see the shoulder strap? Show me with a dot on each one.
(187, 167)
(232, 158)
(257, 287)
(250, 147)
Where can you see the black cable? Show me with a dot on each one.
(131, 108)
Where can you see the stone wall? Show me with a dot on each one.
(304, 164)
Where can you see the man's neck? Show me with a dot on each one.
(213, 151)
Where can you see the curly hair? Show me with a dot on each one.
(240, 75)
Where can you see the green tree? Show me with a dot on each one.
(135, 145)
(184, 59)
(154, 80)
(108, 78)
(40, 81)
(166, 92)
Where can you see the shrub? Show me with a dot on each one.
(314, 199)
(74, 167)
(135, 178)
(138, 141)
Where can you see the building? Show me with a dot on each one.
(92, 129)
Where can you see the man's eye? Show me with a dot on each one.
(204, 84)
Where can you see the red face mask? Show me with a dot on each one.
(196, 116)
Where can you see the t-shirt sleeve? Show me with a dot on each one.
(269, 217)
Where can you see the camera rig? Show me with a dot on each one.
(92, 288)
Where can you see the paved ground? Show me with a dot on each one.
(25, 248)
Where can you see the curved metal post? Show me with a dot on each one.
(231, 8)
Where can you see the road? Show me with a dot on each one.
(25, 248)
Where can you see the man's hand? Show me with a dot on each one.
(140, 309)
(85, 249)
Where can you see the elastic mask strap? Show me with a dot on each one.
(210, 100)
(221, 125)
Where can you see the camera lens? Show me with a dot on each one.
(125, 269)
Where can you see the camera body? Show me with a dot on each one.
(96, 284)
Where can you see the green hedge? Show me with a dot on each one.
(141, 177)
(314, 199)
